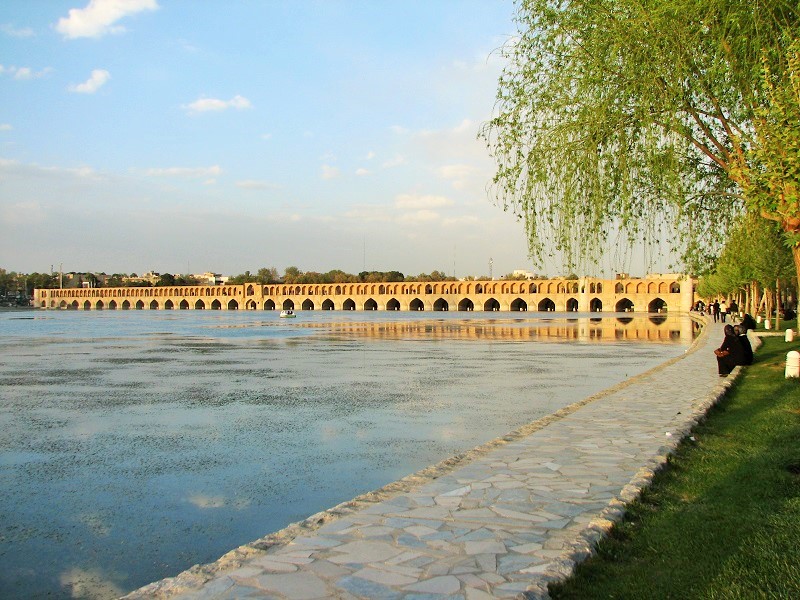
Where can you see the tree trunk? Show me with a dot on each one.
(777, 304)
(796, 255)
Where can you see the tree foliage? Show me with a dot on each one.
(645, 117)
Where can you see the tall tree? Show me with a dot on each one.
(657, 118)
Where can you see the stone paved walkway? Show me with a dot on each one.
(501, 524)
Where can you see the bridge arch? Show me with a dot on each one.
(491, 305)
(269, 304)
(112, 305)
(216, 304)
(288, 304)
(169, 304)
(595, 305)
(99, 305)
(466, 305)
(572, 305)
(327, 304)
(184, 305)
(546, 305)
(307, 304)
(87, 305)
(370, 304)
(657, 305)
(393, 304)
(349, 304)
(154, 305)
(233, 305)
(441, 305)
(250, 305)
(417, 305)
(518, 304)
(624, 305)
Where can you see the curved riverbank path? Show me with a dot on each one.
(501, 522)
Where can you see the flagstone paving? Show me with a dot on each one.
(499, 523)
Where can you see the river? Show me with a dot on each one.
(134, 444)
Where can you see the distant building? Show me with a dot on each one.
(211, 278)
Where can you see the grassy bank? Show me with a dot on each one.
(722, 519)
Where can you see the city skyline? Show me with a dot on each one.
(189, 137)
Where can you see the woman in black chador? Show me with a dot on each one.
(747, 348)
(730, 353)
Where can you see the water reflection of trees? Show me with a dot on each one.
(661, 328)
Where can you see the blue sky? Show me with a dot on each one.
(181, 136)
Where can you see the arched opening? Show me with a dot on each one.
(126, 305)
(87, 305)
(619, 289)
(572, 305)
(491, 305)
(675, 288)
(441, 305)
(393, 304)
(466, 304)
(519, 305)
(63, 305)
(216, 304)
(416, 304)
(624, 305)
(169, 305)
(154, 305)
(250, 290)
(99, 305)
(233, 305)
(269, 304)
(657, 306)
(370, 305)
(327, 304)
(307, 304)
(140, 305)
(479, 289)
(199, 305)
(73, 306)
(546, 305)
(184, 305)
(595, 305)
(288, 304)
(428, 289)
(112, 305)
(250, 305)
(349, 304)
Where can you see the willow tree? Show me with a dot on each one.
(661, 119)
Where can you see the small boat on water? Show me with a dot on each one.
(287, 314)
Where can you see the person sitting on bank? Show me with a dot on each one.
(747, 348)
(747, 323)
(730, 353)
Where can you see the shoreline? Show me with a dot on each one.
(198, 576)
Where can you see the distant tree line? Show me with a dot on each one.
(295, 275)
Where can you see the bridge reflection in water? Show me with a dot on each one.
(653, 328)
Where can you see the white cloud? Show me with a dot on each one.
(9, 29)
(451, 172)
(99, 17)
(398, 130)
(202, 105)
(97, 79)
(410, 201)
(329, 172)
(185, 172)
(419, 216)
(362, 172)
(253, 184)
(5, 127)
(394, 162)
(370, 155)
(266, 136)
(22, 73)
(22, 213)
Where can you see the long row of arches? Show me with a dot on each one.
(393, 304)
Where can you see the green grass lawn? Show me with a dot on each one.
(722, 518)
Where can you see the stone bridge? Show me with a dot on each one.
(653, 293)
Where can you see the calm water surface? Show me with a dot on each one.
(134, 444)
